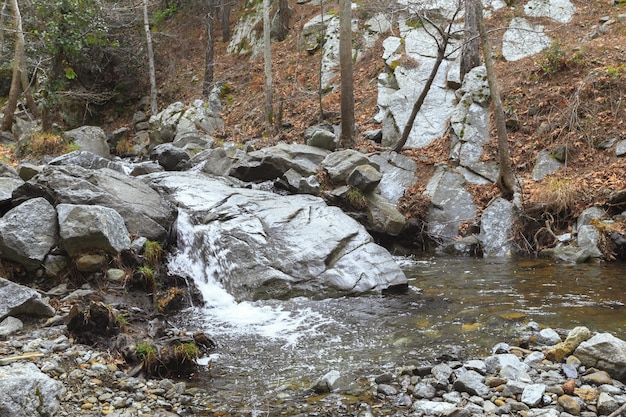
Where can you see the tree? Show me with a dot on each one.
(267, 55)
(153, 90)
(442, 39)
(225, 7)
(506, 179)
(209, 61)
(345, 64)
(18, 61)
(470, 52)
(283, 20)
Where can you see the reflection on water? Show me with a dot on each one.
(474, 303)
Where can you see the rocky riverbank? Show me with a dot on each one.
(554, 374)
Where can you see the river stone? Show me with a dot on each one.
(543, 412)
(605, 352)
(28, 232)
(88, 160)
(327, 383)
(548, 337)
(91, 262)
(18, 300)
(496, 228)
(84, 228)
(533, 394)
(399, 174)
(432, 408)
(570, 404)
(28, 392)
(523, 39)
(89, 138)
(597, 378)
(588, 239)
(263, 245)
(473, 383)
(590, 214)
(145, 211)
(442, 373)
(10, 325)
(574, 338)
(606, 404)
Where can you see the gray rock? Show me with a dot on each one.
(321, 137)
(340, 164)
(145, 211)
(26, 170)
(365, 178)
(384, 217)
(496, 228)
(545, 165)
(620, 149)
(300, 184)
(89, 138)
(170, 157)
(88, 160)
(432, 408)
(567, 254)
(201, 116)
(328, 382)
(7, 186)
(273, 246)
(399, 174)
(605, 352)
(473, 383)
(533, 394)
(424, 390)
(28, 232)
(10, 325)
(442, 373)
(163, 125)
(560, 10)
(589, 214)
(386, 390)
(28, 392)
(548, 337)
(588, 239)
(7, 171)
(523, 39)
(18, 300)
(83, 228)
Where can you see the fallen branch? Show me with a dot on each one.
(618, 411)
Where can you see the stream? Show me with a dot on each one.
(274, 350)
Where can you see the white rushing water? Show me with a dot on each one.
(221, 313)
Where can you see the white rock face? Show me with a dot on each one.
(523, 39)
(560, 10)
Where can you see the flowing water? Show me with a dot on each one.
(276, 349)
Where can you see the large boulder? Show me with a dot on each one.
(89, 138)
(262, 245)
(606, 352)
(88, 160)
(399, 174)
(28, 232)
(497, 228)
(83, 228)
(18, 300)
(340, 164)
(145, 212)
(28, 392)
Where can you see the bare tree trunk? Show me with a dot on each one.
(30, 100)
(209, 62)
(153, 90)
(225, 7)
(2, 14)
(347, 82)
(470, 51)
(283, 18)
(267, 54)
(14, 92)
(506, 179)
(320, 90)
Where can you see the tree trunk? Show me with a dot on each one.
(347, 82)
(2, 14)
(225, 7)
(153, 90)
(470, 51)
(14, 92)
(209, 61)
(267, 55)
(506, 179)
(283, 18)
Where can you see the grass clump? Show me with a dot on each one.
(558, 196)
(153, 252)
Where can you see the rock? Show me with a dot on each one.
(620, 149)
(18, 300)
(575, 337)
(201, 116)
(384, 217)
(559, 10)
(145, 211)
(545, 165)
(7, 186)
(91, 263)
(496, 228)
(567, 254)
(398, 174)
(26, 171)
(570, 404)
(548, 337)
(27, 392)
(88, 160)
(89, 138)
(588, 239)
(606, 404)
(213, 161)
(340, 164)
(592, 213)
(365, 178)
(10, 325)
(386, 390)
(273, 246)
(163, 125)
(606, 352)
(321, 137)
(473, 383)
(533, 394)
(84, 228)
(442, 373)
(523, 39)
(302, 185)
(170, 157)
(425, 391)
(28, 232)
(432, 408)
(327, 383)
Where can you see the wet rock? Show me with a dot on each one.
(588, 239)
(18, 300)
(496, 228)
(606, 352)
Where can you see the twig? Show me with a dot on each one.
(618, 411)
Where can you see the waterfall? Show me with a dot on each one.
(200, 258)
